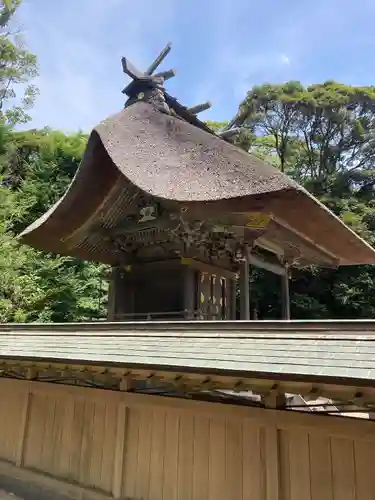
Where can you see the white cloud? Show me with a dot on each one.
(284, 59)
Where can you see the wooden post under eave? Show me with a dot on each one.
(189, 293)
(232, 299)
(285, 297)
(244, 290)
(111, 308)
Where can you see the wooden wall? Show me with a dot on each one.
(152, 448)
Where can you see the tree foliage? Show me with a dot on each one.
(17, 67)
(36, 167)
(324, 137)
(36, 286)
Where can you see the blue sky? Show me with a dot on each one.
(220, 49)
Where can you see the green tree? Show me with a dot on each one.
(17, 67)
(324, 137)
(36, 286)
(216, 126)
(316, 132)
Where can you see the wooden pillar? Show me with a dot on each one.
(111, 307)
(285, 297)
(232, 299)
(244, 290)
(121, 295)
(190, 291)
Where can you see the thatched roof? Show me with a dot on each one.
(144, 149)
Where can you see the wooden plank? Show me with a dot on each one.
(47, 436)
(97, 443)
(171, 455)
(67, 437)
(201, 457)
(185, 457)
(3, 424)
(184, 470)
(158, 452)
(364, 429)
(77, 435)
(34, 436)
(217, 460)
(272, 462)
(144, 453)
(133, 438)
(86, 444)
(234, 469)
(343, 469)
(299, 465)
(109, 443)
(284, 457)
(11, 424)
(320, 467)
(57, 434)
(253, 467)
(23, 428)
(119, 451)
(364, 454)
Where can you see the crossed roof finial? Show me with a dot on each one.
(153, 81)
(147, 76)
(149, 86)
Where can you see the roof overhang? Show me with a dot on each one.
(141, 150)
(309, 358)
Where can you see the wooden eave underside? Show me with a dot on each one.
(87, 242)
(102, 376)
(140, 150)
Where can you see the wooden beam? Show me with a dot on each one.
(208, 268)
(199, 108)
(166, 75)
(126, 383)
(274, 399)
(131, 70)
(263, 263)
(111, 307)
(228, 133)
(285, 296)
(189, 292)
(244, 290)
(163, 54)
(232, 291)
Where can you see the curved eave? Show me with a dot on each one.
(141, 149)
